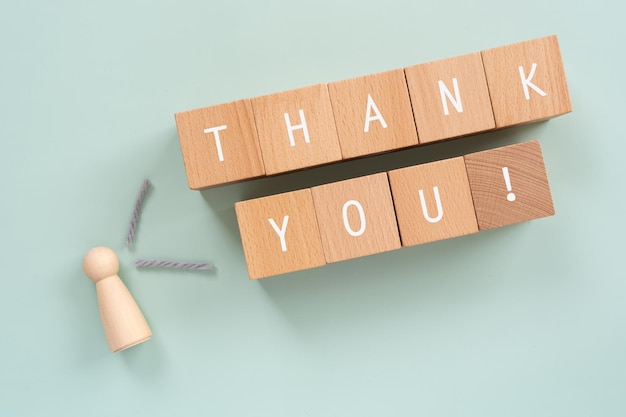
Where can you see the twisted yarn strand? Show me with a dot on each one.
(163, 263)
(130, 237)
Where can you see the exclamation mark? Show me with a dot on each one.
(507, 180)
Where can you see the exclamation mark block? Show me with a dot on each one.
(509, 185)
(279, 234)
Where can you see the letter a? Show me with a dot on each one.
(527, 83)
(368, 115)
(281, 232)
(302, 126)
(425, 209)
(218, 144)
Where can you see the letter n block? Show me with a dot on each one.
(526, 81)
(433, 201)
(373, 114)
(356, 217)
(509, 185)
(296, 129)
(219, 144)
(279, 234)
(450, 98)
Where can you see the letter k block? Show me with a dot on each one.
(526, 81)
(279, 234)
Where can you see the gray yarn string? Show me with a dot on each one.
(162, 263)
(135, 217)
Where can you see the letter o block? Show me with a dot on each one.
(526, 81)
(279, 234)
(356, 217)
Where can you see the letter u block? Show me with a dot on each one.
(526, 81)
(356, 217)
(219, 144)
(450, 98)
(433, 201)
(279, 234)
(296, 129)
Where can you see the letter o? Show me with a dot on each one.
(346, 224)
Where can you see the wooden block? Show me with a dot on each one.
(279, 234)
(356, 217)
(296, 129)
(509, 185)
(219, 144)
(450, 98)
(527, 81)
(433, 201)
(373, 114)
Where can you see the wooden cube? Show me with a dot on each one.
(296, 129)
(527, 81)
(373, 114)
(279, 233)
(509, 185)
(450, 98)
(433, 201)
(219, 144)
(356, 217)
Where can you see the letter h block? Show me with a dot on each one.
(526, 81)
(219, 144)
(279, 234)
(296, 129)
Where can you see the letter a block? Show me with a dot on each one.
(527, 81)
(450, 98)
(373, 114)
(356, 217)
(296, 129)
(509, 185)
(219, 144)
(433, 201)
(279, 234)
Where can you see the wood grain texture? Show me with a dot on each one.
(453, 217)
(386, 114)
(239, 145)
(512, 103)
(436, 117)
(276, 146)
(373, 229)
(528, 183)
(262, 245)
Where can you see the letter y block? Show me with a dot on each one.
(279, 234)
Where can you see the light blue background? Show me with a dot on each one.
(527, 320)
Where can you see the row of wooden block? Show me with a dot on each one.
(404, 207)
(324, 123)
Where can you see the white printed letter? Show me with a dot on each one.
(368, 115)
(425, 209)
(456, 100)
(281, 231)
(527, 83)
(215, 131)
(302, 126)
(346, 224)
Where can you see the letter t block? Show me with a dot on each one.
(219, 144)
(279, 234)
